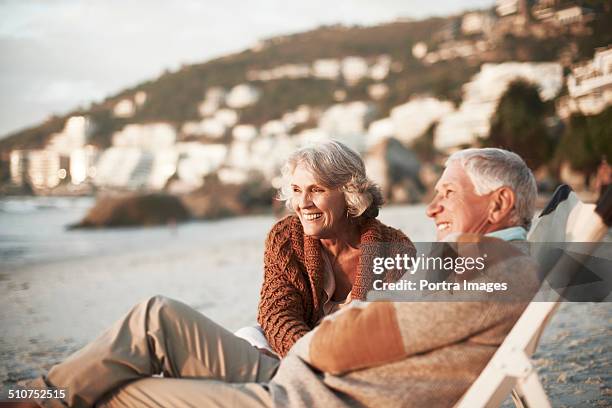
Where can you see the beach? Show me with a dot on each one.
(59, 289)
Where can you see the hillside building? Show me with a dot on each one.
(196, 160)
(213, 100)
(274, 128)
(326, 68)
(482, 93)
(83, 164)
(124, 108)
(354, 69)
(348, 122)
(380, 69)
(378, 91)
(244, 133)
(287, 71)
(228, 117)
(477, 22)
(43, 169)
(19, 167)
(589, 86)
(140, 98)
(573, 15)
(242, 95)
(152, 136)
(74, 136)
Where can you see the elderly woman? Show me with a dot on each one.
(313, 264)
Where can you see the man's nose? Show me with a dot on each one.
(433, 208)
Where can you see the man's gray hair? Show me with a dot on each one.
(335, 165)
(492, 168)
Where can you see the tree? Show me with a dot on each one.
(586, 140)
(518, 124)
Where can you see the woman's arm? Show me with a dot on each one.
(281, 307)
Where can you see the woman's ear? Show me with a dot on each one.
(502, 204)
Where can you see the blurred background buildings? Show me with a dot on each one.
(531, 76)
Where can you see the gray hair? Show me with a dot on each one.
(491, 168)
(335, 165)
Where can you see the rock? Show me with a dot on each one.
(395, 169)
(135, 210)
(217, 200)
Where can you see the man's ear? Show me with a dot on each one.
(502, 204)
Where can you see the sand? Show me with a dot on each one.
(49, 309)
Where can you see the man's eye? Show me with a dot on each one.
(296, 190)
(448, 193)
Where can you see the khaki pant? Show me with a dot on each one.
(203, 365)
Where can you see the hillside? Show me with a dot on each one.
(174, 96)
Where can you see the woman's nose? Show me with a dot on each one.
(304, 200)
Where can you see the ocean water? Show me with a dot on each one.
(59, 289)
(34, 230)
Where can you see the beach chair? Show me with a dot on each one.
(510, 370)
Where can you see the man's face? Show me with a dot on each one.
(456, 207)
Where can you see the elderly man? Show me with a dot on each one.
(484, 191)
(368, 354)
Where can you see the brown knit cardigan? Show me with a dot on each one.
(292, 295)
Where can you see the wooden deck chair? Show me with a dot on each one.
(510, 370)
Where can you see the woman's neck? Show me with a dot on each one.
(347, 238)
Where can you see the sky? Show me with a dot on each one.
(57, 55)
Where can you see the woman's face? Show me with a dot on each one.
(322, 210)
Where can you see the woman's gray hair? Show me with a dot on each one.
(491, 168)
(335, 165)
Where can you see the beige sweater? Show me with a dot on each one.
(404, 354)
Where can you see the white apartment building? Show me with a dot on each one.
(354, 69)
(74, 136)
(506, 7)
(116, 165)
(196, 160)
(326, 68)
(589, 85)
(380, 69)
(348, 122)
(43, 169)
(151, 136)
(477, 22)
(213, 100)
(83, 164)
(242, 95)
(19, 167)
(482, 93)
(571, 15)
(124, 108)
(413, 118)
(244, 133)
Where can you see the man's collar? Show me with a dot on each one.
(510, 234)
